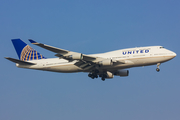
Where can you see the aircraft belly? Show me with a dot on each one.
(70, 68)
(136, 62)
(151, 60)
(64, 68)
(148, 61)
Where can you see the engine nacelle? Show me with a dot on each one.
(122, 73)
(106, 62)
(76, 56)
(109, 75)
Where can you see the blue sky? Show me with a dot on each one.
(90, 27)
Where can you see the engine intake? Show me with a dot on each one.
(109, 75)
(106, 74)
(77, 56)
(106, 62)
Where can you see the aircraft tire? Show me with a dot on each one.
(157, 69)
(103, 79)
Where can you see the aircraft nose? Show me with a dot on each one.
(174, 54)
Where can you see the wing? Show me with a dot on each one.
(86, 62)
(50, 48)
(65, 54)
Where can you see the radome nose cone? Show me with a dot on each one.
(174, 54)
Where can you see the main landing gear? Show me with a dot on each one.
(103, 76)
(157, 69)
(93, 74)
(103, 79)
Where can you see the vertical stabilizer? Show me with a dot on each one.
(25, 52)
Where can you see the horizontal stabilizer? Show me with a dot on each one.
(19, 61)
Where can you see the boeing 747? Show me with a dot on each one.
(104, 65)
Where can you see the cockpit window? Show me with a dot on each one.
(161, 47)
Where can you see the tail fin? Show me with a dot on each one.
(25, 52)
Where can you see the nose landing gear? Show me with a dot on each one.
(157, 69)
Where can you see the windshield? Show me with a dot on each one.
(161, 47)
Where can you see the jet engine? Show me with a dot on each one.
(76, 56)
(122, 73)
(106, 62)
(109, 75)
(106, 75)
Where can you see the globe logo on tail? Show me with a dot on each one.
(28, 53)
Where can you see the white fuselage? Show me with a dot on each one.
(132, 57)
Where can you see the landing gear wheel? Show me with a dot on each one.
(93, 74)
(103, 79)
(89, 75)
(157, 69)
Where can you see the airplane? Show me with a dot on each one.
(103, 65)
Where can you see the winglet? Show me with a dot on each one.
(32, 41)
